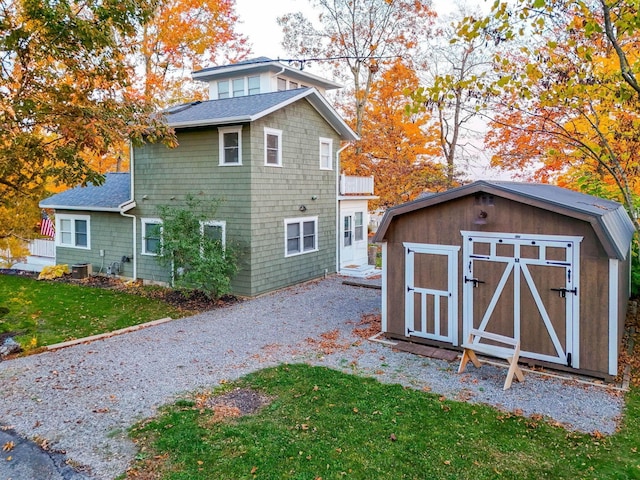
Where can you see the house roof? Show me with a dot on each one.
(249, 108)
(108, 197)
(259, 65)
(609, 219)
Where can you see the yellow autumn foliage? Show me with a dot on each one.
(53, 271)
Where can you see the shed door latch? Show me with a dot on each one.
(562, 292)
(475, 281)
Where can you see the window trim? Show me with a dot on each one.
(277, 133)
(143, 235)
(300, 221)
(72, 218)
(221, 149)
(214, 223)
(329, 142)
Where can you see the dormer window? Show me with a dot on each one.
(238, 87)
(282, 84)
(223, 89)
(254, 85)
(293, 85)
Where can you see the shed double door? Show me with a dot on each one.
(525, 287)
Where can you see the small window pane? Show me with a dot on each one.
(223, 89)
(309, 236)
(293, 85)
(293, 238)
(272, 149)
(282, 84)
(152, 238)
(231, 147)
(254, 85)
(213, 232)
(359, 227)
(325, 155)
(238, 87)
(81, 233)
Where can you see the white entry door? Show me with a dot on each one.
(431, 291)
(525, 287)
(353, 238)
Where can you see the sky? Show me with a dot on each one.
(259, 23)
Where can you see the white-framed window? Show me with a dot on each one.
(238, 87)
(293, 85)
(223, 89)
(253, 85)
(272, 147)
(326, 147)
(215, 230)
(300, 235)
(282, 83)
(348, 231)
(230, 145)
(73, 231)
(358, 228)
(151, 236)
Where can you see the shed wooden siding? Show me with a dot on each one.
(109, 232)
(442, 225)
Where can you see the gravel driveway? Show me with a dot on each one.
(82, 399)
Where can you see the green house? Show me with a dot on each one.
(267, 145)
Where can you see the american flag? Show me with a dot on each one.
(47, 228)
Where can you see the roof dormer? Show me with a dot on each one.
(258, 75)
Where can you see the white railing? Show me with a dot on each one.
(42, 248)
(350, 185)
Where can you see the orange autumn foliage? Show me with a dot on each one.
(394, 146)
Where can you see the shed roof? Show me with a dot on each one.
(249, 108)
(609, 219)
(108, 197)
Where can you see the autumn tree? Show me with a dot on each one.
(455, 70)
(64, 93)
(570, 94)
(181, 36)
(395, 143)
(359, 39)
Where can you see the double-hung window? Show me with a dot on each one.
(358, 231)
(223, 89)
(230, 139)
(253, 85)
(214, 230)
(272, 147)
(326, 145)
(151, 236)
(301, 235)
(73, 231)
(238, 87)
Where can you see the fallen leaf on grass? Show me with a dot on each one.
(7, 447)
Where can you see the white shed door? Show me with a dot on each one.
(524, 286)
(431, 291)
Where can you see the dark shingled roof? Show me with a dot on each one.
(228, 109)
(609, 219)
(115, 191)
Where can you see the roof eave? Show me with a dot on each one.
(81, 208)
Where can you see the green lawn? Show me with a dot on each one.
(323, 424)
(45, 312)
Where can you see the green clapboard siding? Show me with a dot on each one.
(109, 232)
(256, 199)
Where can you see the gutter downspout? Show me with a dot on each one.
(126, 206)
(338, 239)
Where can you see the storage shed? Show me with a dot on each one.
(542, 264)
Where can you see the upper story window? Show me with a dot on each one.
(151, 236)
(253, 85)
(230, 139)
(326, 146)
(272, 147)
(223, 89)
(73, 231)
(238, 87)
(301, 235)
(282, 83)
